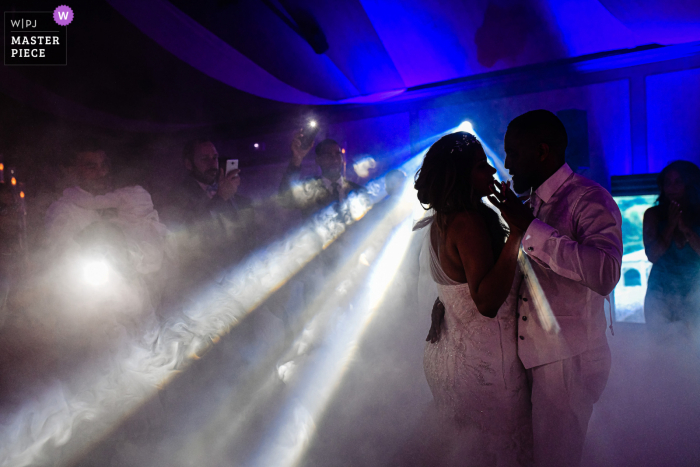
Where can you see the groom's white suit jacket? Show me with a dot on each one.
(574, 249)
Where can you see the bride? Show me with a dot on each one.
(479, 386)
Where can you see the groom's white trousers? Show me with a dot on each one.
(563, 394)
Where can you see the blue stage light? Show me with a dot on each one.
(466, 126)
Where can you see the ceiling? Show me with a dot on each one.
(154, 65)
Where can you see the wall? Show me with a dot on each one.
(387, 139)
(607, 105)
(642, 108)
(673, 116)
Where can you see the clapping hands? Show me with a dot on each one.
(675, 216)
(517, 215)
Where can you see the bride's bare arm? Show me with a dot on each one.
(489, 279)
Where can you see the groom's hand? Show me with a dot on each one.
(514, 212)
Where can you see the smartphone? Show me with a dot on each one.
(311, 129)
(231, 164)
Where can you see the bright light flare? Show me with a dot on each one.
(96, 272)
(466, 126)
(544, 310)
(256, 145)
(316, 383)
(363, 166)
(312, 123)
(153, 366)
(313, 385)
(13, 181)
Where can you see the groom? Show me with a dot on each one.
(573, 241)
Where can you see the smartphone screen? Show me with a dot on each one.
(231, 164)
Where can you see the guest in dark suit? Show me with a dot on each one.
(206, 210)
(313, 193)
(206, 193)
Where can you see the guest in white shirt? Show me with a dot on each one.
(91, 211)
(573, 245)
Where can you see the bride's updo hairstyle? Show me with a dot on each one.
(444, 184)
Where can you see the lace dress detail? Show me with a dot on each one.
(478, 383)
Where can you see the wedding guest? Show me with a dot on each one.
(672, 244)
(89, 173)
(310, 194)
(105, 255)
(92, 214)
(573, 245)
(206, 193)
(213, 220)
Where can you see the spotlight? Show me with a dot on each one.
(466, 126)
(312, 123)
(95, 272)
(256, 145)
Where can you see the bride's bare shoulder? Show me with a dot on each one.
(467, 222)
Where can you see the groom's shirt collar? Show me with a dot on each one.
(552, 184)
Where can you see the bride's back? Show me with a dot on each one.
(479, 223)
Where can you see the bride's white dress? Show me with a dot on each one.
(479, 385)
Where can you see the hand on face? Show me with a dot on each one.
(517, 215)
(674, 214)
(683, 227)
(675, 219)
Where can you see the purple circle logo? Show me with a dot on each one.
(63, 15)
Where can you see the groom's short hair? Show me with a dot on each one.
(545, 127)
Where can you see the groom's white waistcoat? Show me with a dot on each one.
(574, 248)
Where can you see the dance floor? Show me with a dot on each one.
(649, 414)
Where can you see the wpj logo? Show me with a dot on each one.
(37, 37)
(22, 23)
